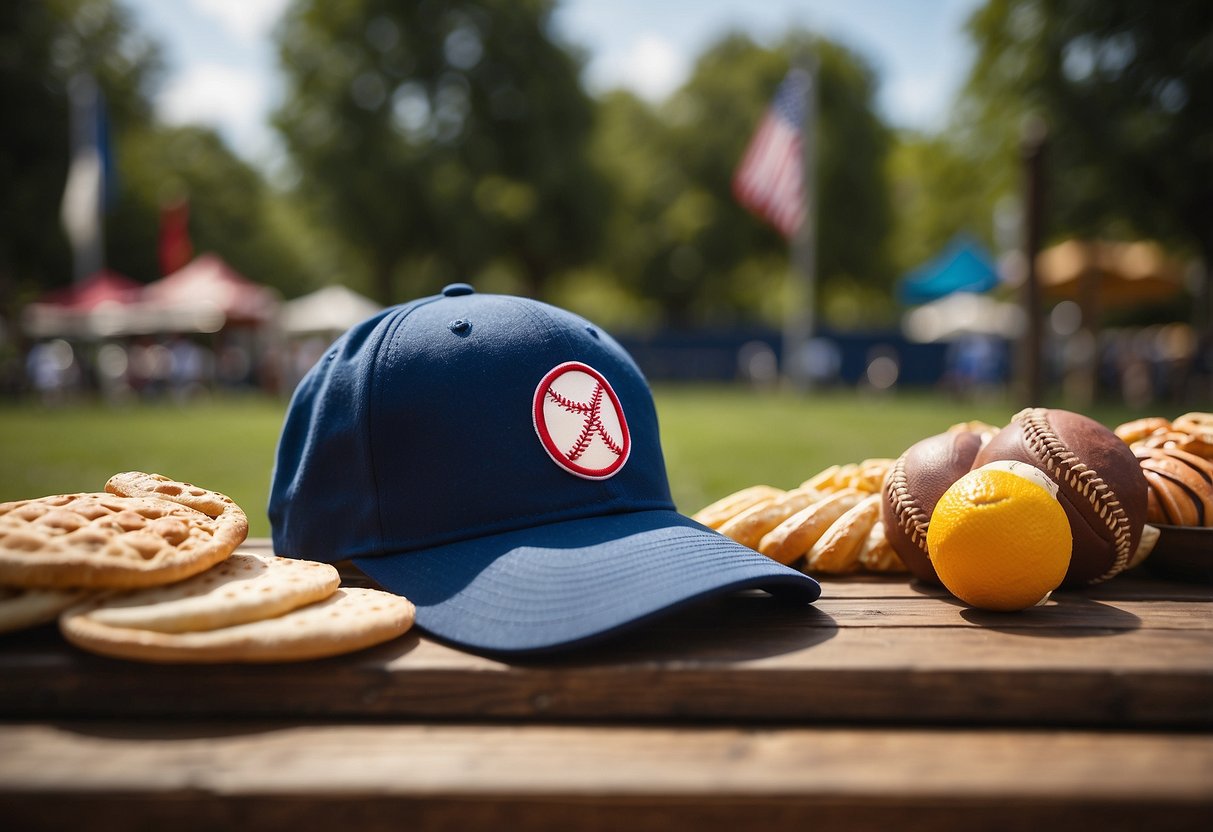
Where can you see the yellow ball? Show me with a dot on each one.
(999, 539)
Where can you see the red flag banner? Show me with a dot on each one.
(175, 247)
(769, 182)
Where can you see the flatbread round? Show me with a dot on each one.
(350, 619)
(21, 608)
(244, 587)
(156, 533)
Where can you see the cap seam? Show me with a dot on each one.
(373, 399)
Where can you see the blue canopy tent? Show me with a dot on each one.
(963, 266)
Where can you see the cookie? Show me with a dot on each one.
(824, 480)
(349, 619)
(718, 513)
(21, 608)
(838, 549)
(749, 527)
(1181, 486)
(156, 532)
(791, 539)
(983, 429)
(244, 587)
(1197, 426)
(1100, 485)
(865, 476)
(877, 554)
(1181, 440)
(1139, 429)
(1197, 423)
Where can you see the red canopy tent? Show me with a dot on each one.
(101, 287)
(99, 304)
(208, 281)
(204, 296)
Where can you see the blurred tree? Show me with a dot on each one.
(1126, 89)
(446, 139)
(938, 190)
(43, 44)
(653, 212)
(232, 211)
(678, 235)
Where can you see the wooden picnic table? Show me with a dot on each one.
(884, 705)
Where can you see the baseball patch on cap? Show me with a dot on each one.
(580, 421)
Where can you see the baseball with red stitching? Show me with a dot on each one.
(1100, 485)
(913, 486)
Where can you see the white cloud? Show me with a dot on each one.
(230, 100)
(244, 19)
(652, 67)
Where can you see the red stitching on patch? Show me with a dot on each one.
(592, 410)
(592, 423)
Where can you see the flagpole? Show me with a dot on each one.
(800, 316)
(80, 209)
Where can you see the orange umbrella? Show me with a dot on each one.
(1112, 273)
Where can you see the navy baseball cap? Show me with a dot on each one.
(496, 460)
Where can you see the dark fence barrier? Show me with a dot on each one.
(833, 357)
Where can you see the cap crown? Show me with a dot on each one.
(417, 428)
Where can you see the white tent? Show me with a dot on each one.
(962, 313)
(332, 309)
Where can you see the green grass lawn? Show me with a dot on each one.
(716, 440)
(226, 445)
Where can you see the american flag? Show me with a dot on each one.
(770, 179)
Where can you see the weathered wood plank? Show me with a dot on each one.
(115, 812)
(1064, 613)
(262, 775)
(1136, 586)
(909, 655)
(726, 667)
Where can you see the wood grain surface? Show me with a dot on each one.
(591, 777)
(885, 705)
(1136, 652)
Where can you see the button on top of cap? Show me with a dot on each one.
(457, 289)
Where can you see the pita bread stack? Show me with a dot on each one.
(21, 608)
(149, 571)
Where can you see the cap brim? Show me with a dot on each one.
(565, 584)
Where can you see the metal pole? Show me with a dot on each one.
(1035, 138)
(800, 317)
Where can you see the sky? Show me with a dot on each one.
(222, 69)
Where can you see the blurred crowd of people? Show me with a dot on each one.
(178, 367)
(1135, 366)
(1167, 362)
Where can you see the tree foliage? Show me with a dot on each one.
(940, 189)
(1126, 90)
(42, 46)
(232, 211)
(446, 139)
(678, 237)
